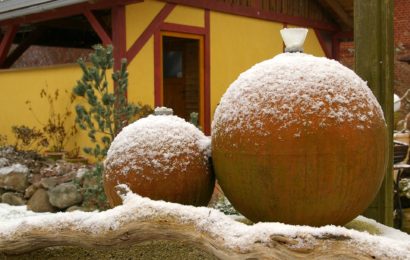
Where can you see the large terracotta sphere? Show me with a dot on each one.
(300, 140)
(163, 158)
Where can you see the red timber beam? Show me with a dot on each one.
(172, 27)
(6, 42)
(66, 11)
(149, 31)
(157, 69)
(255, 12)
(119, 42)
(98, 28)
(207, 74)
(326, 43)
(336, 39)
(21, 48)
(118, 35)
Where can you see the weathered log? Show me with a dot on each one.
(140, 219)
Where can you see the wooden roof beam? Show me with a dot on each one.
(335, 8)
(6, 42)
(98, 28)
(22, 47)
(255, 12)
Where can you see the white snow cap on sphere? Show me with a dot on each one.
(276, 88)
(155, 140)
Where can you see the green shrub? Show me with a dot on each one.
(104, 112)
(93, 193)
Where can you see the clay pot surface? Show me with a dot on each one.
(163, 158)
(300, 140)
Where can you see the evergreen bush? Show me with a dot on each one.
(105, 112)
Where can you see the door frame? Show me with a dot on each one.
(186, 30)
(159, 93)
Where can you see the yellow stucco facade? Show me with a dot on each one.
(236, 43)
(19, 86)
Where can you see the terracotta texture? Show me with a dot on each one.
(312, 175)
(163, 158)
(191, 187)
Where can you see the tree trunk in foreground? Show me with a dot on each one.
(140, 220)
(279, 247)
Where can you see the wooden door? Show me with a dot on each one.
(181, 75)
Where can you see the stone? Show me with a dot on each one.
(65, 195)
(34, 178)
(3, 162)
(13, 198)
(30, 191)
(48, 183)
(14, 178)
(74, 208)
(39, 202)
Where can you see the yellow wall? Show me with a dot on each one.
(138, 17)
(312, 44)
(187, 16)
(237, 43)
(18, 86)
(141, 76)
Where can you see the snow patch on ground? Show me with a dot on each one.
(14, 168)
(15, 221)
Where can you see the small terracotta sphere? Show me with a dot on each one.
(161, 157)
(300, 140)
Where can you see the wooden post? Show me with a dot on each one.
(374, 53)
(118, 38)
(118, 35)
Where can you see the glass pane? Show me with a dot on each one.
(173, 64)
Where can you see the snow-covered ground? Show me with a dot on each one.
(16, 221)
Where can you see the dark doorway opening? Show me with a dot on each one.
(181, 67)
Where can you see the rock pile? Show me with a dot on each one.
(44, 186)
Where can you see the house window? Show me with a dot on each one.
(173, 64)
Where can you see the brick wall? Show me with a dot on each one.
(402, 49)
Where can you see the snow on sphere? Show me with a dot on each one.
(301, 140)
(161, 157)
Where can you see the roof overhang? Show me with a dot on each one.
(16, 8)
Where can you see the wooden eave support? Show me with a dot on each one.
(374, 62)
(335, 8)
(67, 11)
(21, 48)
(98, 28)
(6, 42)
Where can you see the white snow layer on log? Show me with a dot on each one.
(17, 223)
